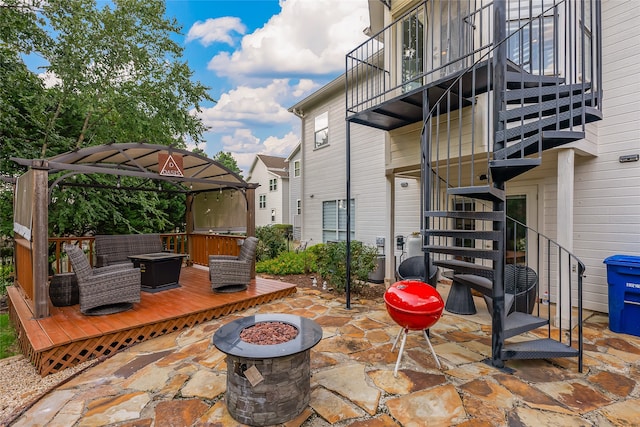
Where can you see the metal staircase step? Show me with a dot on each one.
(523, 79)
(518, 323)
(478, 216)
(557, 122)
(542, 109)
(465, 234)
(550, 139)
(538, 349)
(464, 252)
(464, 267)
(482, 192)
(544, 93)
(506, 169)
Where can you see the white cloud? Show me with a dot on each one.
(244, 146)
(255, 106)
(306, 37)
(50, 79)
(216, 30)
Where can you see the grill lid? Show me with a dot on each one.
(414, 296)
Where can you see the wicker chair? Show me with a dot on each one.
(230, 273)
(104, 290)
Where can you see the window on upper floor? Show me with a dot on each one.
(322, 130)
(273, 184)
(334, 220)
(296, 168)
(262, 201)
(532, 47)
(298, 207)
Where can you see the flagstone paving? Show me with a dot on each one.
(180, 379)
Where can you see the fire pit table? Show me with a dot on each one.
(267, 383)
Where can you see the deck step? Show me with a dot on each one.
(543, 109)
(550, 139)
(538, 349)
(544, 93)
(465, 234)
(464, 267)
(506, 169)
(560, 121)
(482, 192)
(478, 216)
(464, 252)
(518, 323)
(517, 80)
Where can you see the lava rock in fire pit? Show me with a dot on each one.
(268, 333)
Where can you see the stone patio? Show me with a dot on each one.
(180, 378)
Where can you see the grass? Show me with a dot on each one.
(8, 345)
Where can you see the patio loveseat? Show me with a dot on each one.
(116, 249)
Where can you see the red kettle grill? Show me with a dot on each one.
(414, 305)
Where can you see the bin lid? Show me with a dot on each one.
(625, 260)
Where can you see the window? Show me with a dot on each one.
(273, 184)
(531, 47)
(262, 201)
(334, 220)
(322, 130)
(298, 207)
(273, 215)
(296, 168)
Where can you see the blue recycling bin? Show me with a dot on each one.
(623, 277)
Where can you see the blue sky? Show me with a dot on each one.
(260, 57)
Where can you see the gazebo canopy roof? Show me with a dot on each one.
(189, 172)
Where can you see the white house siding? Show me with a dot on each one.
(275, 199)
(295, 193)
(607, 192)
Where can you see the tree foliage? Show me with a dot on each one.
(227, 160)
(118, 76)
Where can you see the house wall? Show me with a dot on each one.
(295, 193)
(607, 193)
(277, 200)
(324, 177)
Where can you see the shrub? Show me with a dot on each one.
(332, 264)
(287, 263)
(7, 338)
(272, 242)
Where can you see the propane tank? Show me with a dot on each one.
(414, 245)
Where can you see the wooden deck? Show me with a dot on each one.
(67, 337)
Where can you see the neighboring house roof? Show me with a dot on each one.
(294, 152)
(274, 165)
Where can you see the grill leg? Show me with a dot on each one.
(404, 340)
(395, 343)
(426, 336)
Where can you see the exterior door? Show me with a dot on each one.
(522, 222)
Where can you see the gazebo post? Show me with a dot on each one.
(250, 196)
(189, 226)
(40, 237)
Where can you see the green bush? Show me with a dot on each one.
(332, 263)
(272, 241)
(288, 263)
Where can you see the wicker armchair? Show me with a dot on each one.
(104, 290)
(230, 273)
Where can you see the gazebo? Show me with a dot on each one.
(180, 170)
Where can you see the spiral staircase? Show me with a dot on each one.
(524, 86)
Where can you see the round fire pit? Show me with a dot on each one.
(414, 305)
(267, 383)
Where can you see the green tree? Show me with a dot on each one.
(120, 78)
(227, 160)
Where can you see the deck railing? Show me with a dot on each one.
(203, 245)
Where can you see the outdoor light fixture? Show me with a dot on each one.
(404, 184)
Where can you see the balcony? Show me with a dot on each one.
(387, 74)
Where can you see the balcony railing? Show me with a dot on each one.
(428, 43)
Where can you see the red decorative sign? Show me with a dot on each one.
(170, 164)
